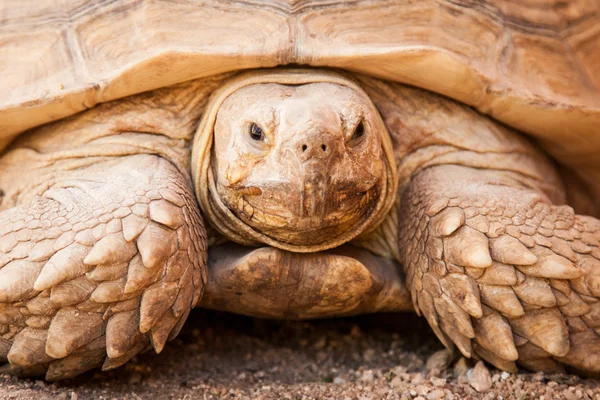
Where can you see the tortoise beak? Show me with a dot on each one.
(313, 195)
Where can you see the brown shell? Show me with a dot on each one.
(533, 64)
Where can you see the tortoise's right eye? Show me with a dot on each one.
(256, 132)
(358, 133)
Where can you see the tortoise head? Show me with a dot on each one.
(302, 165)
(298, 163)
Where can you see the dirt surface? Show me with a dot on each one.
(222, 356)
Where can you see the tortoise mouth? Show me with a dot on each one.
(301, 218)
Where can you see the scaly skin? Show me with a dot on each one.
(500, 271)
(100, 267)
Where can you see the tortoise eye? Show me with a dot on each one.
(256, 132)
(359, 131)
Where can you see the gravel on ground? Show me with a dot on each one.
(224, 356)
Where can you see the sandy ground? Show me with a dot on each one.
(222, 356)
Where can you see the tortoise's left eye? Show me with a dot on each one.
(256, 132)
(359, 131)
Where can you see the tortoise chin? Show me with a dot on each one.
(305, 215)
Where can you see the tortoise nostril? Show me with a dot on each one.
(323, 147)
(304, 147)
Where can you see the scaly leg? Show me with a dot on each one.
(103, 265)
(501, 272)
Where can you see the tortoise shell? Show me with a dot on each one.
(533, 65)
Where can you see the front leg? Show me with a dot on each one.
(106, 263)
(501, 272)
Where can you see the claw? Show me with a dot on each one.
(177, 328)
(545, 365)
(503, 299)
(122, 333)
(166, 213)
(545, 328)
(160, 332)
(584, 353)
(496, 361)
(156, 300)
(459, 319)
(17, 279)
(494, 334)
(28, 348)
(112, 363)
(111, 249)
(509, 250)
(22, 372)
(139, 277)
(156, 244)
(64, 265)
(464, 292)
(447, 222)
(133, 225)
(461, 341)
(553, 267)
(535, 291)
(531, 351)
(71, 329)
(427, 308)
(468, 247)
(89, 356)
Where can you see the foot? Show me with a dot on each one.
(500, 272)
(99, 268)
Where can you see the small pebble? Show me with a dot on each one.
(422, 390)
(479, 378)
(369, 355)
(396, 382)
(367, 376)
(438, 382)
(417, 379)
(439, 360)
(435, 395)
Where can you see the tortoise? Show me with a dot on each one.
(299, 159)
